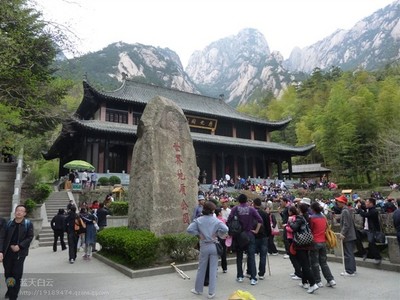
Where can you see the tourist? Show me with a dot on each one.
(84, 179)
(58, 226)
(318, 255)
(262, 237)
(225, 210)
(347, 236)
(17, 239)
(72, 235)
(371, 225)
(247, 216)
(302, 252)
(297, 274)
(396, 221)
(102, 214)
(284, 213)
(272, 250)
(224, 263)
(199, 208)
(93, 180)
(90, 234)
(206, 227)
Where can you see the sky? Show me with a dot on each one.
(185, 26)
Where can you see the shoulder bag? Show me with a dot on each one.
(303, 236)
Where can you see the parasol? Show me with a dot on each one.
(79, 165)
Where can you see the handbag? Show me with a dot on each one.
(330, 236)
(220, 249)
(379, 237)
(303, 236)
(274, 229)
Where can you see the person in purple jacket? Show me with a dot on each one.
(248, 216)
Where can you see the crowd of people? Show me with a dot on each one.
(81, 226)
(257, 221)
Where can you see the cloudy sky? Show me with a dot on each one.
(188, 25)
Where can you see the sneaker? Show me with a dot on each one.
(364, 257)
(331, 283)
(261, 277)
(275, 254)
(285, 256)
(195, 292)
(239, 279)
(296, 277)
(253, 282)
(304, 285)
(224, 271)
(292, 274)
(378, 261)
(71, 261)
(247, 276)
(210, 296)
(312, 289)
(320, 284)
(347, 274)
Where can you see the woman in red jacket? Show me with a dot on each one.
(318, 224)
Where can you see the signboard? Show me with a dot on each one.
(201, 122)
(76, 186)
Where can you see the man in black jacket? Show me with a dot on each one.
(58, 226)
(18, 237)
(262, 238)
(102, 214)
(371, 225)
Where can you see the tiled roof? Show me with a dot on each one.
(309, 168)
(119, 128)
(136, 92)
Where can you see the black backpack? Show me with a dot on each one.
(234, 225)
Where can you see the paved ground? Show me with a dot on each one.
(49, 275)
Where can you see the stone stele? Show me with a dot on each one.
(163, 179)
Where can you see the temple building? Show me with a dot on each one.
(103, 131)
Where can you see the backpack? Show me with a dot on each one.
(234, 225)
(79, 226)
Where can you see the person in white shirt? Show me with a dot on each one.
(225, 210)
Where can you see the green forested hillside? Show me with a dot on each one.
(352, 117)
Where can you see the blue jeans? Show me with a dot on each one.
(251, 259)
(319, 259)
(262, 249)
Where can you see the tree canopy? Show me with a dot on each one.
(351, 117)
(30, 96)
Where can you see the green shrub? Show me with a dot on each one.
(114, 180)
(137, 247)
(103, 181)
(41, 192)
(30, 205)
(178, 245)
(119, 208)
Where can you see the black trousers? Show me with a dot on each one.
(13, 270)
(58, 234)
(72, 245)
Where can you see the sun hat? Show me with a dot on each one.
(306, 201)
(342, 199)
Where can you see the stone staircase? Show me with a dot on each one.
(56, 200)
(7, 180)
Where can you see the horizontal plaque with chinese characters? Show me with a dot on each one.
(201, 122)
